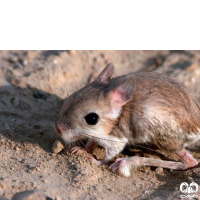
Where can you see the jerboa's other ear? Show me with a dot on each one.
(106, 74)
(122, 94)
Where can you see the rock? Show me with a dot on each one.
(30, 195)
(77, 167)
(159, 170)
(95, 187)
(84, 172)
(57, 146)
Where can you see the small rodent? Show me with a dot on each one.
(138, 108)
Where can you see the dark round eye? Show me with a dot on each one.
(91, 118)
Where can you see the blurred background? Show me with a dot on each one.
(57, 71)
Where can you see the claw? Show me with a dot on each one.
(78, 150)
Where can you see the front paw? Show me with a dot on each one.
(120, 166)
(79, 150)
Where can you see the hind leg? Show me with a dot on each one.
(123, 166)
(187, 160)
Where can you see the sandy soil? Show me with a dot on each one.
(32, 87)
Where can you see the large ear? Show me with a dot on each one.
(122, 94)
(106, 74)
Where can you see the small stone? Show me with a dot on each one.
(75, 180)
(147, 192)
(84, 172)
(25, 62)
(44, 181)
(159, 170)
(76, 167)
(27, 74)
(57, 146)
(33, 184)
(95, 187)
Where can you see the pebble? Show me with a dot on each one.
(95, 187)
(159, 170)
(147, 192)
(84, 172)
(25, 62)
(57, 146)
(77, 167)
(44, 181)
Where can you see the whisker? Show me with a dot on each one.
(84, 134)
(83, 144)
(90, 136)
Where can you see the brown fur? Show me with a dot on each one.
(161, 111)
(167, 97)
